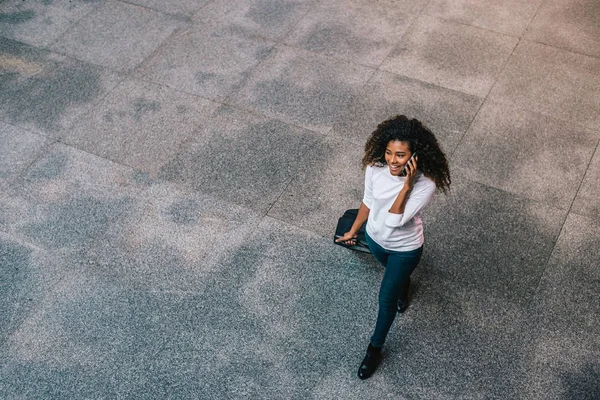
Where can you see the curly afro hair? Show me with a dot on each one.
(432, 161)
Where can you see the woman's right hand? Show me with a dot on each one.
(349, 238)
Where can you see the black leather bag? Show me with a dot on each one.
(344, 224)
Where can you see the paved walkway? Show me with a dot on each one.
(171, 173)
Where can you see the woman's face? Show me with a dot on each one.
(397, 154)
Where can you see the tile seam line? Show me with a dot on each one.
(346, 107)
(237, 107)
(451, 21)
(534, 15)
(236, 89)
(408, 29)
(597, 57)
(554, 241)
(260, 114)
(94, 105)
(176, 15)
(43, 151)
(193, 14)
(26, 129)
(578, 125)
(485, 99)
(115, 162)
(527, 307)
(341, 59)
(136, 70)
(73, 26)
(228, 100)
(127, 71)
(121, 77)
(583, 178)
(546, 264)
(38, 303)
(189, 139)
(289, 182)
(326, 56)
(290, 223)
(22, 240)
(279, 45)
(479, 28)
(287, 33)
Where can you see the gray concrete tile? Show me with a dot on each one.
(586, 202)
(308, 306)
(141, 124)
(117, 35)
(19, 149)
(510, 17)
(244, 158)
(330, 182)
(447, 113)
(182, 8)
(302, 88)
(267, 320)
(447, 54)
(89, 338)
(455, 341)
(69, 199)
(40, 23)
(266, 18)
(571, 25)
(170, 240)
(205, 63)
(45, 92)
(359, 31)
(489, 240)
(526, 153)
(26, 275)
(563, 328)
(551, 81)
(407, 6)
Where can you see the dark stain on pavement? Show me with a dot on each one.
(271, 12)
(76, 222)
(210, 167)
(185, 211)
(319, 104)
(15, 18)
(582, 383)
(324, 39)
(15, 279)
(204, 77)
(143, 106)
(50, 168)
(455, 53)
(37, 90)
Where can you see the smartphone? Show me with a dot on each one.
(403, 170)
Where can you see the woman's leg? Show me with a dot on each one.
(378, 252)
(398, 269)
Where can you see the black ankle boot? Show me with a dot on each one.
(370, 362)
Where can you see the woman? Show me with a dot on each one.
(404, 166)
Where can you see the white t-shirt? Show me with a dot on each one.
(396, 232)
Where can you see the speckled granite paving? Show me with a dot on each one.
(171, 173)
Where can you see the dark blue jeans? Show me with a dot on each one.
(398, 267)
